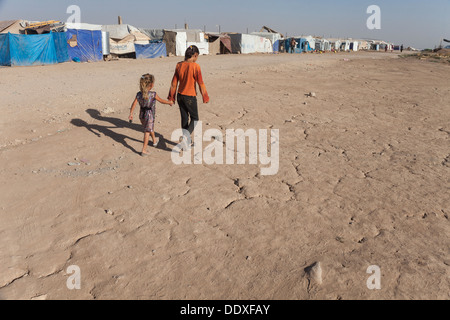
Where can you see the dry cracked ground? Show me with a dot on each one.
(363, 180)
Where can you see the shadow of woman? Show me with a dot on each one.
(120, 123)
(119, 138)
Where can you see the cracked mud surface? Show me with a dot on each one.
(364, 180)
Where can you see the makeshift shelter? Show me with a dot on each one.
(345, 45)
(273, 37)
(85, 42)
(247, 43)
(354, 45)
(150, 51)
(218, 43)
(178, 40)
(335, 44)
(124, 37)
(31, 50)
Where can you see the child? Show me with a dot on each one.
(147, 101)
(188, 74)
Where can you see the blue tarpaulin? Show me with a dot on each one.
(84, 45)
(30, 50)
(149, 51)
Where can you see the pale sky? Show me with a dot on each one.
(420, 24)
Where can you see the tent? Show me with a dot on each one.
(354, 45)
(30, 50)
(273, 37)
(219, 43)
(247, 43)
(150, 51)
(178, 40)
(85, 42)
(345, 45)
(124, 37)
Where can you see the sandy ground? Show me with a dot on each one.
(363, 180)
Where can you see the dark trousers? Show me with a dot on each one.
(189, 112)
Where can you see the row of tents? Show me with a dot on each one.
(25, 44)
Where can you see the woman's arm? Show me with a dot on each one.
(170, 103)
(133, 106)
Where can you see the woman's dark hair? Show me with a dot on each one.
(190, 52)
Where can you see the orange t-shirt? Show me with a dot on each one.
(187, 74)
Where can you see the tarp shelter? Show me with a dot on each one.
(219, 43)
(150, 51)
(31, 50)
(124, 37)
(345, 45)
(178, 40)
(273, 37)
(153, 34)
(247, 43)
(84, 42)
(354, 45)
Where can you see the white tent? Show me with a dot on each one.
(246, 43)
(273, 37)
(178, 40)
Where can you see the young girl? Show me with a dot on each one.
(188, 74)
(147, 101)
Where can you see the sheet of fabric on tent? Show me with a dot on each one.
(150, 51)
(5, 56)
(203, 47)
(85, 45)
(273, 37)
(30, 50)
(246, 43)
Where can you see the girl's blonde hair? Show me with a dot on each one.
(145, 81)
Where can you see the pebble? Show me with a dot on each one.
(109, 212)
(314, 273)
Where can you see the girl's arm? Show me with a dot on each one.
(170, 103)
(173, 86)
(133, 106)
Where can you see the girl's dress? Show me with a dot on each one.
(148, 110)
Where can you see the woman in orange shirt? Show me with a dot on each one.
(188, 74)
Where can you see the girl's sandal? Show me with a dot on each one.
(155, 144)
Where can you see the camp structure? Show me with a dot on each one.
(273, 37)
(84, 42)
(44, 27)
(247, 43)
(345, 45)
(178, 40)
(124, 37)
(12, 26)
(32, 50)
(335, 44)
(219, 43)
(150, 51)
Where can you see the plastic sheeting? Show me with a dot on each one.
(30, 50)
(246, 43)
(273, 37)
(150, 51)
(203, 47)
(85, 45)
